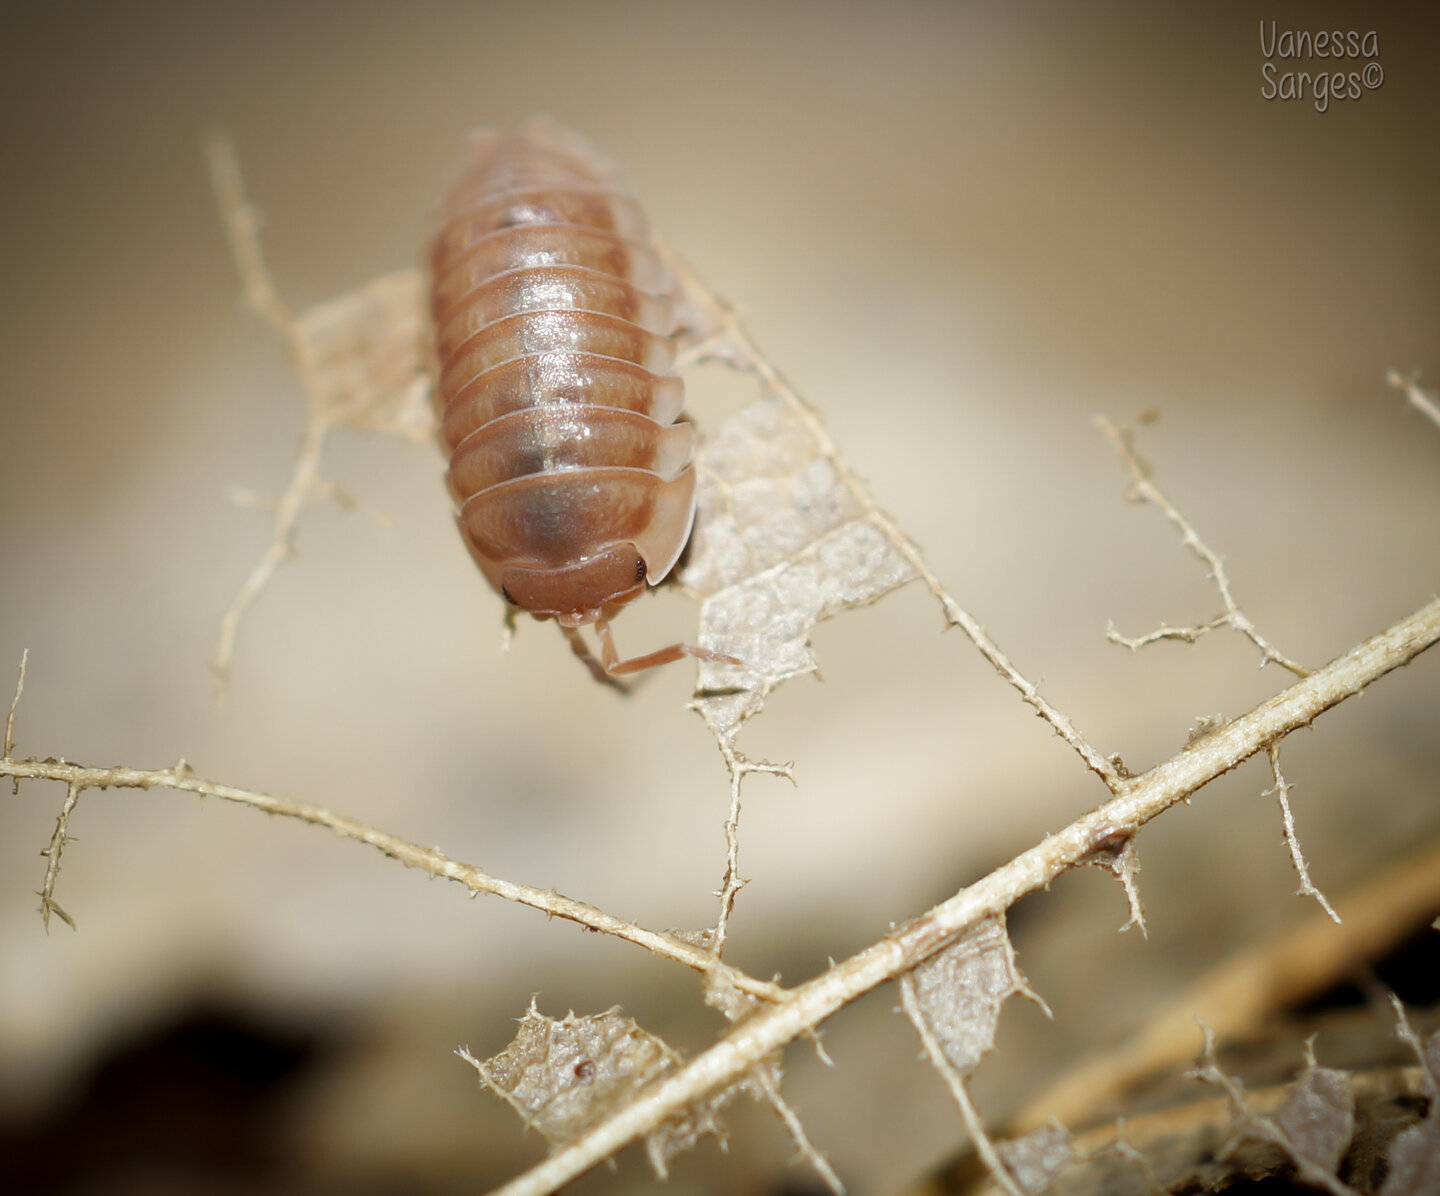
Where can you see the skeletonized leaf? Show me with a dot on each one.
(1415, 1161)
(364, 357)
(1317, 1119)
(959, 992)
(785, 534)
(1034, 1160)
(1415, 1153)
(782, 540)
(564, 1076)
(953, 999)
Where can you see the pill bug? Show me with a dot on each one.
(554, 318)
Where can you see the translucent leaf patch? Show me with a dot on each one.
(1415, 1155)
(565, 1076)
(783, 539)
(1034, 1160)
(1318, 1117)
(959, 992)
(365, 354)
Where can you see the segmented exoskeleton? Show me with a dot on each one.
(553, 316)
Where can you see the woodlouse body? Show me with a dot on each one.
(553, 316)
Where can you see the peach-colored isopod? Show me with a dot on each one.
(553, 315)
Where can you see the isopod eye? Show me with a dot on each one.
(504, 593)
(640, 569)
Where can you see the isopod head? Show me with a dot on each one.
(582, 593)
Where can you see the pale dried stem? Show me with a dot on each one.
(182, 779)
(14, 702)
(739, 768)
(304, 478)
(1145, 490)
(52, 855)
(1250, 1124)
(796, 1130)
(955, 1082)
(1123, 865)
(1136, 1159)
(348, 500)
(1406, 1033)
(1421, 401)
(732, 884)
(1292, 840)
(1137, 908)
(1142, 798)
(1184, 635)
(733, 334)
(242, 227)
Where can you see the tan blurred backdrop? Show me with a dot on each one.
(961, 230)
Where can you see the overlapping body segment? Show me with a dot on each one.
(553, 315)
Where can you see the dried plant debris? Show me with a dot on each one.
(367, 357)
(1422, 401)
(1146, 490)
(785, 533)
(1119, 856)
(1414, 1156)
(953, 1000)
(958, 993)
(1034, 1160)
(782, 541)
(565, 1076)
(1195, 1147)
(1317, 1118)
(362, 359)
(1318, 1106)
(1348, 1126)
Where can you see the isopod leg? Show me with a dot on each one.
(597, 670)
(616, 667)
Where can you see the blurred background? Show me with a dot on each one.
(962, 231)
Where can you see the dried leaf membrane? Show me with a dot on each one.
(782, 541)
(365, 357)
(1034, 1160)
(1318, 1116)
(959, 992)
(1415, 1153)
(564, 1076)
(954, 999)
